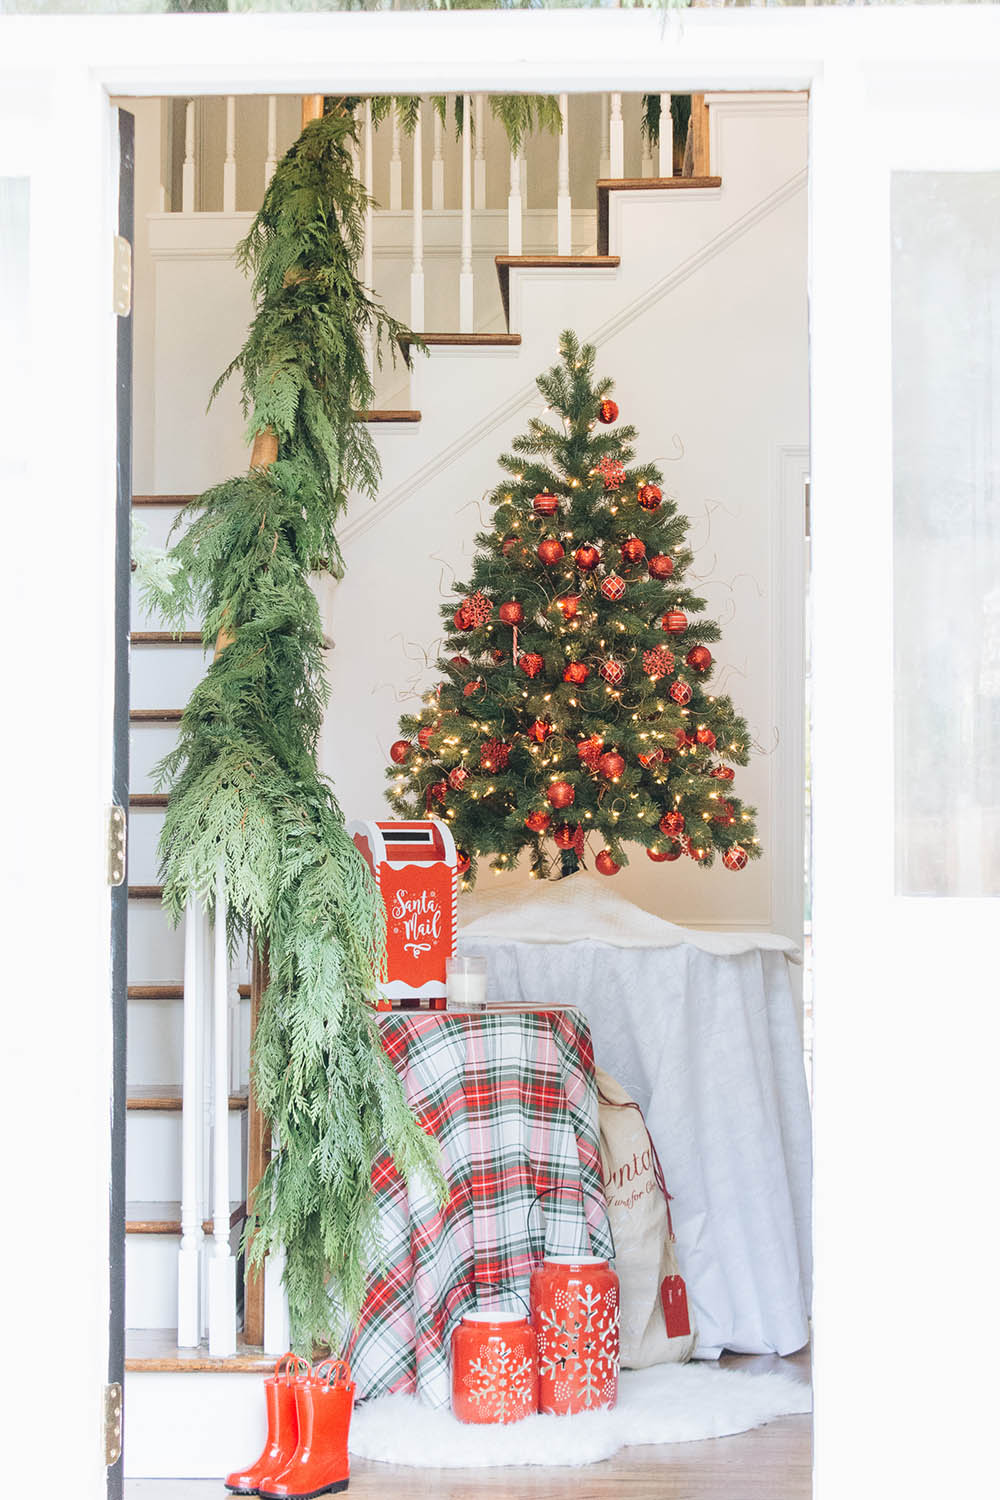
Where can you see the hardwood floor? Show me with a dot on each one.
(769, 1463)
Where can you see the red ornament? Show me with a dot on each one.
(537, 821)
(509, 543)
(650, 496)
(725, 815)
(494, 755)
(680, 692)
(561, 794)
(720, 773)
(461, 661)
(612, 471)
(683, 738)
(607, 411)
(457, 777)
(437, 792)
(462, 861)
(661, 856)
(660, 566)
(674, 621)
(424, 735)
(545, 504)
(705, 737)
(399, 750)
(576, 671)
(672, 823)
(650, 757)
(605, 864)
(613, 671)
(566, 835)
(700, 658)
(511, 613)
(473, 687)
(550, 551)
(611, 764)
(658, 663)
(540, 730)
(735, 858)
(633, 550)
(586, 558)
(568, 604)
(612, 587)
(589, 750)
(462, 621)
(478, 609)
(531, 663)
(497, 655)
(694, 851)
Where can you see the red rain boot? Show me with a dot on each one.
(320, 1464)
(282, 1425)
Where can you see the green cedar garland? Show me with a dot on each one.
(244, 783)
(497, 732)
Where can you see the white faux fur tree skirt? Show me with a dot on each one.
(667, 1404)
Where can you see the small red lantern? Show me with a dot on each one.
(574, 1307)
(674, 621)
(633, 549)
(545, 504)
(660, 566)
(608, 411)
(511, 613)
(550, 551)
(494, 1368)
(586, 558)
(650, 496)
(613, 587)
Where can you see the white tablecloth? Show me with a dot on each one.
(708, 1045)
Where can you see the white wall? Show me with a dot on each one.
(704, 330)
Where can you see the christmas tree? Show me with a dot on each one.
(575, 707)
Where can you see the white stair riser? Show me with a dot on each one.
(197, 1426)
(148, 743)
(164, 676)
(155, 949)
(153, 1155)
(155, 1040)
(151, 1278)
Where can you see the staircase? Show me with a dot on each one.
(189, 1413)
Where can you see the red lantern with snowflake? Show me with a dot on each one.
(494, 1368)
(633, 550)
(550, 551)
(511, 613)
(735, 858)
(531, 663)
(607, 411)
(660, 566)
(613, 587)
(457, 777)
(538, 821)
(613, 672)
(650, 496)
(545, 504)
(658, 663)
(586, 558)
(574, 1309)
(680, 692)
(672, 823)
(612, 471)
(674, 621)
(699, 658)
(576, 671)
(494, 755)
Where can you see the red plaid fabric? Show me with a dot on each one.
(512, 1101)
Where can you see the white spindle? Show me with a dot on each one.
(666, 166)
(437, 165)
(271, 160)
(515, 238)
(605, 167)
(368, 269)
(479, 166)
(417, 266)
(276, 1331)
(395, 168)
(564, 206)
(187, 171)
(222, 1265)
(466, 311)
(229, 166)
(192, 1235)
(616, 138)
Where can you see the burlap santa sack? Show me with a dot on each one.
(656, 1323)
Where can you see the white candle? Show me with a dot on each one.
(466, 983)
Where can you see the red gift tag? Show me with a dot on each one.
(673, 1295)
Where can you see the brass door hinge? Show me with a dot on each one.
(123, 276)
(112, 1423)
(117, 826)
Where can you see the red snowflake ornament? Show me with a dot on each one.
(494, 755)
(658, 663)
(477, 610)
(612, 471)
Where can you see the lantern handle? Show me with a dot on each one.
(578, 1188)
(508, 1282)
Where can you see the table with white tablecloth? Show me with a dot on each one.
(703, 1032)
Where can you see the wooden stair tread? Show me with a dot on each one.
(167, 1096)
(463, 341)
(505, 263)
(608, 185)
(147, 799)
(165, 1218)
(161, 499)
(401, 414)
(155, 1350)
(155, 715)
(166, 638)
(170, 991)
(145, 892)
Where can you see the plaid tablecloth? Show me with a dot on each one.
(511, 1099)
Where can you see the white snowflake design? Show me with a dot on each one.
(581, 1349)
(503, 1377)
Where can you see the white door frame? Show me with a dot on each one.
(878, 1286)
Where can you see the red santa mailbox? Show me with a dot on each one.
(416, 870)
